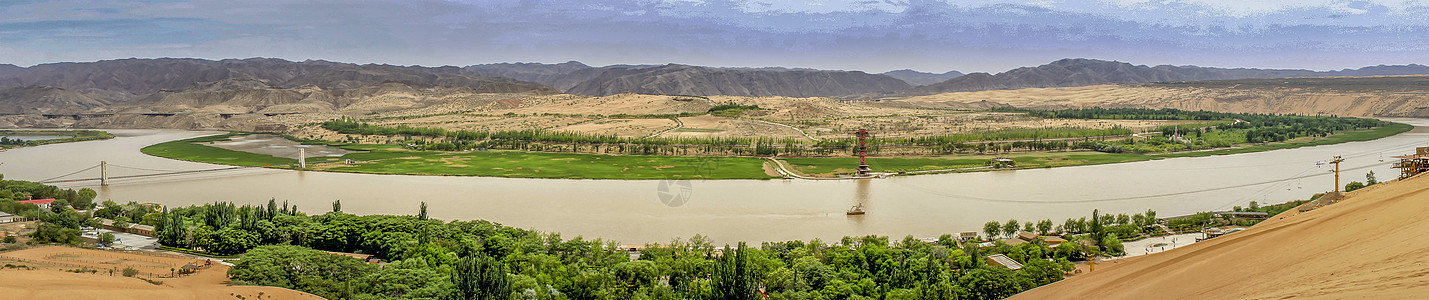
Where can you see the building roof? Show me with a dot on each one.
(1014, 242)
(1052, 239)
(5, 214)
(1027, 236)
(37, 201)
(1003, 260)
(142, 227)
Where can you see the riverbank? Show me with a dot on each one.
(397, 160)
(14, 138)
(815, 166)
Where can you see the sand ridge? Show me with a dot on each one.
(1364, 247)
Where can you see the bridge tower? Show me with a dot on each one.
(103, 173)
(863, 167)
(303, 158)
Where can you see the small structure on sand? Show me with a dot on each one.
(1414, 164)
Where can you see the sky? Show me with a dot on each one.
(867, 35)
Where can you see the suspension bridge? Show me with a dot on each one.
(105, 174)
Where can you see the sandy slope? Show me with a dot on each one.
(1344, 103)
(1368, 246)
(47, 277)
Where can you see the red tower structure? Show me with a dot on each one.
(863, 167)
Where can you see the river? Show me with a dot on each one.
(640, 211)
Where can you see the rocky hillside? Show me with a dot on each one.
(129, 79)
(1085, 72)
(922, 78)
(44, 99)
(701, 81)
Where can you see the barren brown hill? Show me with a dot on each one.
(1073, 72)
(45, 99)
(1367, 246)
(692, 80)
(128, 79)
(1388, 96)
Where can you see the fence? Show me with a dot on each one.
(54, 260)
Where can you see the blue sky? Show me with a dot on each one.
(869, 35)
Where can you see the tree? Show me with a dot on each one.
(1112, 244)
(732, 277)
(272, 208)
(1010, 228)
(1352, 186)
(422, 213)
(992, 229)
(85, 199)
(337, 206)
(1369, 179)
(1029, 227)
(480, 277)
(1044, 226)
(1096, 225)
(105, 238)
(1254, 205)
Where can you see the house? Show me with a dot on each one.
(967, 236)
(9, 218)
(1027, 236)
(139, 229)
(1004, 261)
(42, 203)
(144, 230)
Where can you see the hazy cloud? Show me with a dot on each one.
(867, 35)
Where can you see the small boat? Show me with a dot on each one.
(856, 210)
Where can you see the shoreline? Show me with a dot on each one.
(1047, 160)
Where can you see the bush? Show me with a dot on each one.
(130, 272)
(106, 238)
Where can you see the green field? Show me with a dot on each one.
(521, 164)
(394, 159)
(832, 166)
(187, 150)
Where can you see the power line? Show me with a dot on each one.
(930, 191)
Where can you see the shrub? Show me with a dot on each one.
(130, 272)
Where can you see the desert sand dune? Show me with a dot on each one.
(1367, 246)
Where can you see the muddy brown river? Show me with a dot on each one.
(640, 211)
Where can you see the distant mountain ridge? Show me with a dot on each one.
(128, 79)
(1084, 72)
(676, 79)
(922, 78)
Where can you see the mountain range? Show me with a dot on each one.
(1084, 72)
(282, 86)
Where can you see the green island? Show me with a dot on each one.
(555, 154)
(9, 138)
(433, 259)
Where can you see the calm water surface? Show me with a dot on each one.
(636, 211)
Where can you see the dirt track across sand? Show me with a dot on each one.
(1365, 247)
